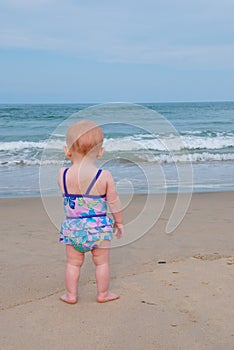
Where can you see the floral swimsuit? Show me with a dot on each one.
(86, 224)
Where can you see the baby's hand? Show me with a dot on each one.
(118, 230)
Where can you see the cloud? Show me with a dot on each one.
(178, 34)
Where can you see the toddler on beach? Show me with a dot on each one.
(87, 191)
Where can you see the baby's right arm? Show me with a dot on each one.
(60, 179)
(114, 204)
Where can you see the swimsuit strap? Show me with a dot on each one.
(93, 181)
(64, 180)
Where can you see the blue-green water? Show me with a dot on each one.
(206, 132)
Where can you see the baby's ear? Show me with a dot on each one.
(100, 152)
(67, 152)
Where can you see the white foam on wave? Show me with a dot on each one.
(193, 158)
(21, 145)
(36, 162)
(135, 143)
(211, 143)
(137, 158)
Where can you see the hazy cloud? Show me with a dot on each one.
(198, 33)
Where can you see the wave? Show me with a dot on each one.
(134, 158)
(21, 145)
(196, 158)
(39, 162)
(135, 148)
(136, 143)
(174, 158)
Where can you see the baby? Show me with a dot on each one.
(87, 191)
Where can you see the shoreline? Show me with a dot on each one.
(135, 194)
(176, 289)
(168, 193)
(207, 177)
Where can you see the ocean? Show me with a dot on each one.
(149, 147)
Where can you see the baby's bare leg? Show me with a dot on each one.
(75, 260)
(101, 260)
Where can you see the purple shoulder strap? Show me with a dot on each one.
(64, 180)
(93, 181)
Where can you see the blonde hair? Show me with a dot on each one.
(84, 136)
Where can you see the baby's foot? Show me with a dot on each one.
(68, 299)
(109, 297)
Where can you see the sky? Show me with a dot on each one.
(71, 51)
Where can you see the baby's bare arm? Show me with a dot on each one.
(114, 205)
(60, 179)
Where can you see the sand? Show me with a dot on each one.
(176, 289)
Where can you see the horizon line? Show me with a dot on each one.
(112, 102)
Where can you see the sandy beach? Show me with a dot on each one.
(176, 289)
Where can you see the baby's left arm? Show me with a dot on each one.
(114, 205)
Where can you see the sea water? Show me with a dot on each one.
(138, 156)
